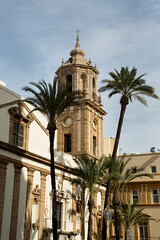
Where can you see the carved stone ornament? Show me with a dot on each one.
(18, 113)
(60, 183)
(99, 212)
(78, 205)
(36, 194)
(35, 226)
(61, 195)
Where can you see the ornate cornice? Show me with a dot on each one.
(18, 113)
(74, 65)
(93, 105)
(26, 154)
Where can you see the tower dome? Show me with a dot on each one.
(77, 50)
(77, 55)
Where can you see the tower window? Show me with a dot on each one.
(94, 145)
(69, 82)
(93, 84)
(67, 142)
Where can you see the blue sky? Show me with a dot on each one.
(36, 35)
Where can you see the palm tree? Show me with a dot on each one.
(90, 173)
(130, 216)
(120, 177)
(122, 174)
(51, 100)
(129, 87)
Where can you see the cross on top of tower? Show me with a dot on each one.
(77, 38)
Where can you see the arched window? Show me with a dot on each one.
(69, 82)
(93, 85)
(94, 89)
(84, 82)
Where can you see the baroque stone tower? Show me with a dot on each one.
(80, 128)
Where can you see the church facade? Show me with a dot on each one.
(25, 183)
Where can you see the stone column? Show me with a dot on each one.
(95, 230)
(101, 121)
(3, 168)
(15, 201)
(140, 195)
(145, 194)
(74, 206)
(86, 126)
(83, 214)
(28, 204)
(42, 205)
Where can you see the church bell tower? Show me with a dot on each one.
(80, 128)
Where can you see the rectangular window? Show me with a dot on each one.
(155, 196)
(59, 215)
(67, 142)
(18, 134)
(153, 169)
(94, 145)
(143, 231)
(135, 196)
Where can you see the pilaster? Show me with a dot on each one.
(28, 204)
(74, 206)
(3, 168)
(144, 194)
(95, 230)
(42, 205)
(15, 201)
(83, 214)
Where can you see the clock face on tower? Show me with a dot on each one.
(68, 121)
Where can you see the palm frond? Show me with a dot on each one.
(50, 99)
(126, 83)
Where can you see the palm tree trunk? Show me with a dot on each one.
(83, 212)
(106, 202)
(127, 234)
(90, 207)
(116, 204)
(53, 182)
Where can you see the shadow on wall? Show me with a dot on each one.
(63, 158)
(149, 162)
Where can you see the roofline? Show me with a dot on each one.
(141, 154)
(11, 92)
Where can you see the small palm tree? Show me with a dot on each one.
(51, 101)
(90, 173)
(130, 216)
(120, 177)
(122, 174)
(129, 87)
